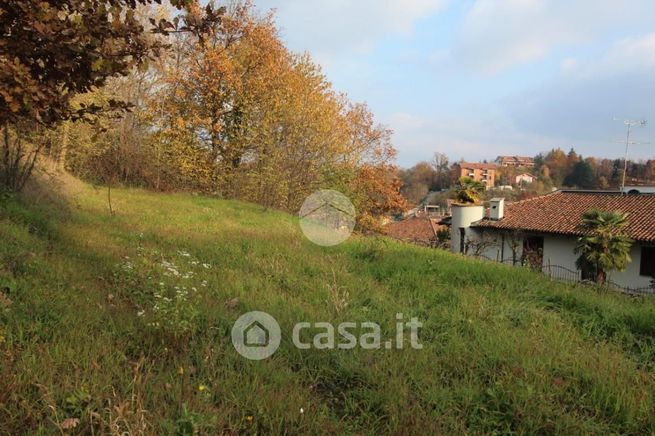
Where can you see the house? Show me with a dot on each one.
(515, 161)
(543, 232)
(419, 229)
(524, 179)
(480, 172)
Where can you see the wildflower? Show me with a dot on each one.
(141, 312)
(249, 418)
(302, 411)
(206, 265)
(201, 388)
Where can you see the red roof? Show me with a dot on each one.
(561, 213)
(419, 230)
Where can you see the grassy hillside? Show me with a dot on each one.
(93, 329)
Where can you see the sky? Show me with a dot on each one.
(475, 79)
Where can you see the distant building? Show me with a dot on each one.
(480, 172)
(524, 179)
(515, 161)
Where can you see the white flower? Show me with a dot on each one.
(141, 312)
(206, 265)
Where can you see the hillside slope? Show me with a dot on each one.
(122, 323)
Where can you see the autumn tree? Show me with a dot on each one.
(441, 166)
(266, 125)
(420, 179)
(52, 51)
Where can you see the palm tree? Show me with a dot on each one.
(605, 245)
(468, 191)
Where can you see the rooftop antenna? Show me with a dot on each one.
(630, 124)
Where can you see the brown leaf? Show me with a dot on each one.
(69, 423)
(232, 304)
(5, 302)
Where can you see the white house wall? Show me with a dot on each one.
(495, 250)
(630, 277)
(559, 251)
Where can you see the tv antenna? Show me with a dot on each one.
(629, 124)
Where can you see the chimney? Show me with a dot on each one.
(497, 209)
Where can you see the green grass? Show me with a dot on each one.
(505, 350)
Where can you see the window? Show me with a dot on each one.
(647, 267)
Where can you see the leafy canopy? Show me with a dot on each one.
(51, 51)
(468, 191)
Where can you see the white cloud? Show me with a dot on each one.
(497, 35)
(582, 100)
(330, 27)
(474, 137)
(628, 55)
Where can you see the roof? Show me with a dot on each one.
(419, 229)
(477, 166)
(561, 213)
(517, 159)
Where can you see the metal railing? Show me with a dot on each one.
(567, 275)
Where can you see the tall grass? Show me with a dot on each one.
(84, 349)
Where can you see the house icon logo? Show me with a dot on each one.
(256, 335)
(327, 217)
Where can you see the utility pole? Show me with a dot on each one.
(630, 124)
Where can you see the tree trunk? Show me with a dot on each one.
(65, 134)
(111, 210)
(601, 277)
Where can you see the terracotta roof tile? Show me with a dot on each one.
(415, 229)
(561, 213)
